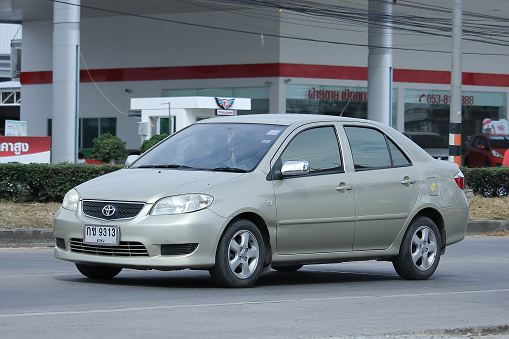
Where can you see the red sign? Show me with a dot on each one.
(25, 149)
(345, 95)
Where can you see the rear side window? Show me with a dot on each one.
(372, 149)
(318, 146)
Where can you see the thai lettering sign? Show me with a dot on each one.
(326, 93)
(344, 95)
(25, 149)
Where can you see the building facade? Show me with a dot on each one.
(283, 60)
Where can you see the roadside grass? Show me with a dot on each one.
(27, 215)
(482, 208)
(40, 215)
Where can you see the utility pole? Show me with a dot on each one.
(456, 81)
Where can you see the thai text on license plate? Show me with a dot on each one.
(101, 235)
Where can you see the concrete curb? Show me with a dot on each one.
(43, 237)
(27, 237)
(486, 227)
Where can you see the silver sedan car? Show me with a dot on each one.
(238, 196)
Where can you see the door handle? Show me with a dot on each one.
(407, 181)
(343, 187)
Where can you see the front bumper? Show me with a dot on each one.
(152, 235)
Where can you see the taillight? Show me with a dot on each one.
(460, 180)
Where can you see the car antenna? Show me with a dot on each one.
(350, 98)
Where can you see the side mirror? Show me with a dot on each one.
(481, 147)
(130, 159)
(294, 168)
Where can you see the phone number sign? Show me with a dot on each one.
(431, 97)
(444, 99)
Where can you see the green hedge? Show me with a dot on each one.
(50, 182)
(489, 181)
(46, 182)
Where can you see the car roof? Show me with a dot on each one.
(421, 133)
(281, 119)
(492, 135)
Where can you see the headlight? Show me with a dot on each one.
(71, 200)
(182, 204)
(496, 154)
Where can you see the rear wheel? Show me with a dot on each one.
(420, 250)
(98, 272)
(239, 256)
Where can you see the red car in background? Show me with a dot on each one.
(487, 150)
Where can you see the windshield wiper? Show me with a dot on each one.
(229, 169)
(165, 166)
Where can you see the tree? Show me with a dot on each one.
(108, 148)
(152, 141)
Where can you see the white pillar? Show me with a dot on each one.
(66, 44)
(380, 61)
(277, 96)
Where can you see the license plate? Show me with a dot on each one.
(101, 235)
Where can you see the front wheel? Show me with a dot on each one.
(98, 272)
(420, 250)
(239, 256)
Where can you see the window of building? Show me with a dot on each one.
(163, 125)
(91, 128)
(429, 111)
(259, 96)
(332, 100)
(10, 97)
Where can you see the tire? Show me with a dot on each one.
(420, 250)
(98, 272)
(240, 255)
(501, 191)
(289, 268)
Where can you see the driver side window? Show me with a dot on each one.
(319, 147)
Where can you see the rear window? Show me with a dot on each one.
(371, 149)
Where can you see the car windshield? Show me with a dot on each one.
(501, 142)
(230, 147)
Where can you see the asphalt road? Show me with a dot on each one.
(43, 297)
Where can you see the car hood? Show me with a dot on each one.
(149, 185)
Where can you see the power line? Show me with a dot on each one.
(309, 12)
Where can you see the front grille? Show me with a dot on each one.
(124, 249)
(178, 249)
(111, 210)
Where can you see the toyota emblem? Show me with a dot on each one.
(108, 210)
